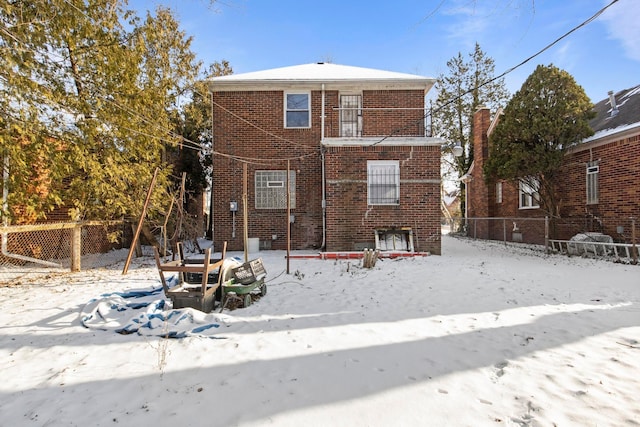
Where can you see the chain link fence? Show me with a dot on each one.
(616, 238)
(50, 247)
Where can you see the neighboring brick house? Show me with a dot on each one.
(361, 169)
(600, 191)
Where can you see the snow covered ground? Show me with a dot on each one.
(484, 335)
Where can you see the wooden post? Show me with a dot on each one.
(142, 215)
(245, 212)
(76, 247)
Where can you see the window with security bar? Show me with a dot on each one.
(350, 115)
(383, 182)
(593, 170)
(271, 192)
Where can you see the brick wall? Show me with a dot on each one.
(619, 193)
(477, 190)
(236, 135)
(354, 222)
(250, 125)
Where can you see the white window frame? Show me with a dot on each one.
(381, 174)
(592, 178)
(499, 192)
(270, 189)
(296, 109)
(528, 194)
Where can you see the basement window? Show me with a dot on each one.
(394, 239)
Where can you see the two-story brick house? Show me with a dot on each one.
(600, 191)
(362, 170)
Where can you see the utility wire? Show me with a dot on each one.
(468, 91)
(178, 139)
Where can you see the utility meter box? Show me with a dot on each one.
(233, 206)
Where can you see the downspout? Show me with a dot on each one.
(210, 231)
(324, 190)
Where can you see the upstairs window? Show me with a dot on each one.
(383, 182)
(593, 170)
(271, 191)
(529, 193)
(297, 110)
(350, 115)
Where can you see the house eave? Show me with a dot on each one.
(352, 84)
(604, 138)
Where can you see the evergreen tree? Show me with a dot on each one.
(468, 85)
(193, 123)
(87, 95)
(547, 116)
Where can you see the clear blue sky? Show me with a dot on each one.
(418, 36)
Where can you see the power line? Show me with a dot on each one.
(468, 91)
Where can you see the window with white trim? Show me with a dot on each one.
(593, 170)
(383, 182)
(271, 192)
(499, 192)
(529, 193)
(297, 110)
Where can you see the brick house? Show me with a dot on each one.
(362, 170)
(600, 192)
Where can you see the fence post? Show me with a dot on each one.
(504, 230)
(634, 248)
(546, 234)
(76, 247)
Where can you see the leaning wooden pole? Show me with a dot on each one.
(140, 221)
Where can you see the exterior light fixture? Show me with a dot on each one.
(457, 150)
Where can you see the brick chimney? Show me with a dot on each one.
(481, 123)
(477, 191)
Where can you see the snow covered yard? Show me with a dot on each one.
(484, 335)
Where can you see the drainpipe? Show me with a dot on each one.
(324, 190)
(210, 231)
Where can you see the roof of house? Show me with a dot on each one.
(608, 121)
(314, 75)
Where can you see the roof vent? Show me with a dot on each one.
(614, 106)
(320, 63)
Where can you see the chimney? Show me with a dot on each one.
(614, 106)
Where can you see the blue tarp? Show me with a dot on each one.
(146, 312)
